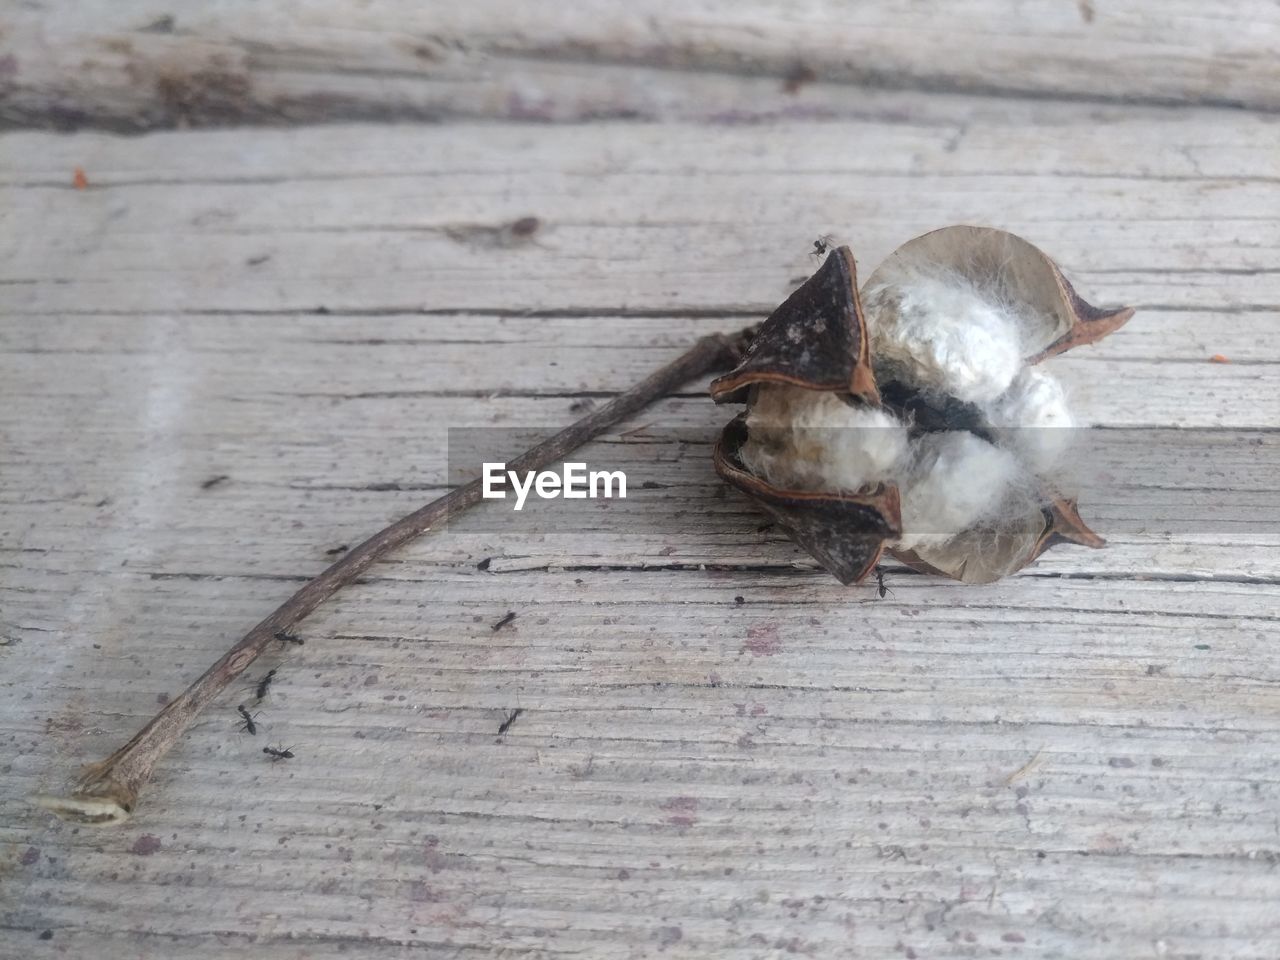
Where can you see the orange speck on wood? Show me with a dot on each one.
(78, 179)
(1218, 358)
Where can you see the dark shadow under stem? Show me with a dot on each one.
(108, 791)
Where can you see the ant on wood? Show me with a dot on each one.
(284, 636)
(278, 753)
(880, 587)
(265, 682)
(510, 721)
(821, 246)
(247, 723)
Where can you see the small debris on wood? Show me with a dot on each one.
(284, 636)
(163, 24)
(1219, 358)
(512, 234)
(1026, 769)
(259, 259)
(581, 405)
(511, 719)
(525, 227)
(78, 179)
(215, 481)
(340, 548)
(484, 564)
(739, 599)
(278, 753)
(800, 75)
(511, 615)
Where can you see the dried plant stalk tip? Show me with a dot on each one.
(108, 791)
(86, 808)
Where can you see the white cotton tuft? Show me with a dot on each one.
(999, 268)
(956, 481)
(1032, 419)
(812, 440)
(941, 334)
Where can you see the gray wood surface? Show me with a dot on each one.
(143, 63)
(721, 752)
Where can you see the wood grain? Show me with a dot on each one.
(807, 769)
(662, 218)
(139, 64)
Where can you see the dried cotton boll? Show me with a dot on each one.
(811, 440)
(912, 417)
(939, 333)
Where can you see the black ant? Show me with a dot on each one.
(880, 587)
(821, 246)
(284, 636)
(510, 721)
(265, 682)
(247, 723)
(278, 754)
(504, 621)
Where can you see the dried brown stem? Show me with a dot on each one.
(107, 792)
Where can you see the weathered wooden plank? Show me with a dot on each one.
(641, 219)
(139, 64)
(647, 751)
(306, 390)
(1076, 762)
(1200, 144)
